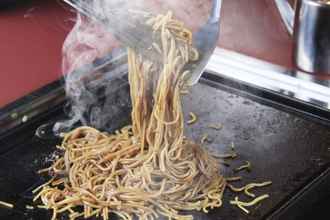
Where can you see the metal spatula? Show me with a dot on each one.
(131, 30)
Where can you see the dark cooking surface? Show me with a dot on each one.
(283, 148)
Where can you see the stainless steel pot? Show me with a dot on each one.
(309, 23)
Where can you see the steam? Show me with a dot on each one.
(95, 77)
(95, 68)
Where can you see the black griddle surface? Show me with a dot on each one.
(283, 148)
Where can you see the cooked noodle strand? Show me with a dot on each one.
(147, 169)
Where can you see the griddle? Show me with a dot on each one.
(284, 143)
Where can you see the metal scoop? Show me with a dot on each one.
(130, 28)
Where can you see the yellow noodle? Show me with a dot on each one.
(146, 170)
(231, 155)
(246, 166)
(235, 189)
(252, 185)
(247, 187)
(216, 126)
(242, 205)
(232, 179)
(204, 138)
(6, 204)
(193, 118)
(29, 207)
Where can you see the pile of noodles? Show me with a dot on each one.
(146, 170)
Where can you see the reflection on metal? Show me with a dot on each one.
(32, 106)
(298, 85)
(311, 37)
(287, 14)
(224, 63)
(309, 25)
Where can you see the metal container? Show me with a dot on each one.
(309, 23)
(311, 35)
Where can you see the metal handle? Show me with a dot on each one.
(287, 14)
(216, 9)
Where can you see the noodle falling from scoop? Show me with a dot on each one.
(146, 170)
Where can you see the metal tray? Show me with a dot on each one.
(284, 144)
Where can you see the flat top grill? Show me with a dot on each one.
(288, 150)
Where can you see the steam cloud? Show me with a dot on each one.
(95, 69)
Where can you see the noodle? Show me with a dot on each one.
(242, 205)
(205, 138)
(231, 155)
(247, 187)
(148, 169)
(252, 185)
(246, 166)
(215, 126)
(6, 205)
(233, 179)
(29, 207)
(193, 118)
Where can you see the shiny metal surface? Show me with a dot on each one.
(131, 30)
(309, 25)
(287, 14)
(294, 84)
(127, 26)
(312, 37)
(205, 41)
